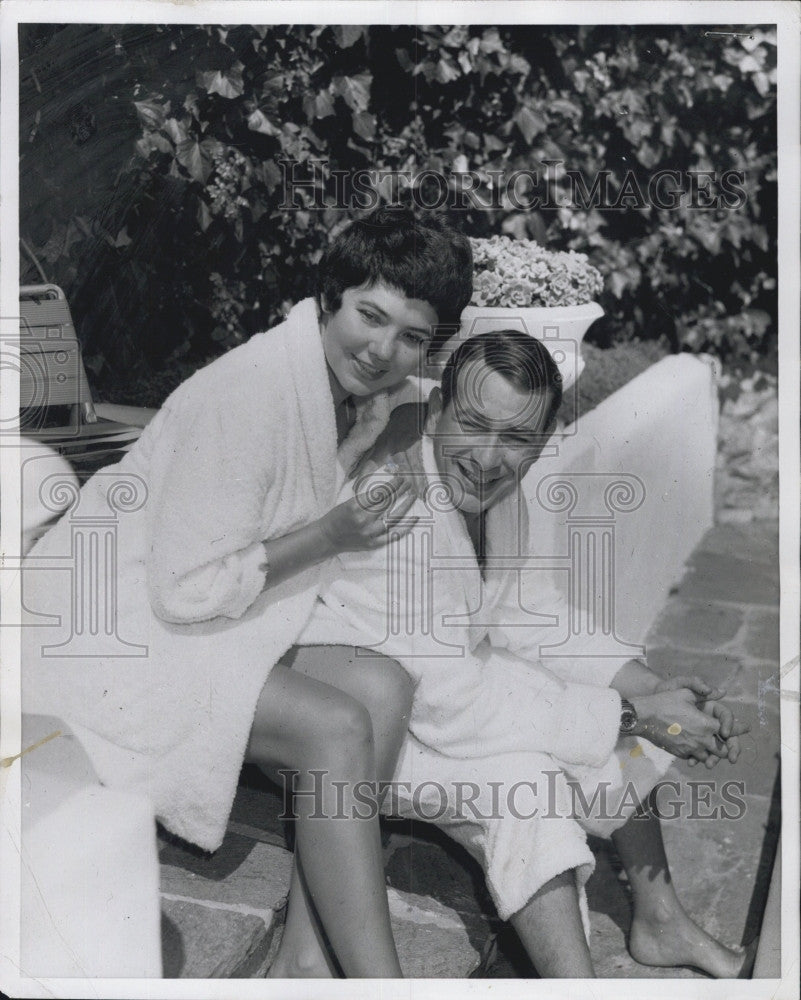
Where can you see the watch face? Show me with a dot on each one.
(628, 717)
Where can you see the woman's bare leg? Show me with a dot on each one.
(377, 682)
(662, 932)
(303, 724)
(386, 690)
(550, 927)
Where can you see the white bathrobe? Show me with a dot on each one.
(245, 450)
(487, 710)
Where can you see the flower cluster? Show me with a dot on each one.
(522, 273)
(225, 191)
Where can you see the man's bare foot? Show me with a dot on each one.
(669, 939)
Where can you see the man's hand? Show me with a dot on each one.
(727, 738)
(694, 683)
(671, 719)
(707, 742)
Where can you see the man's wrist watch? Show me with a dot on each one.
(628, 717)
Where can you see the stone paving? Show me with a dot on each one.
(222, 914)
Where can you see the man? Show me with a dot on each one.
(489, 718)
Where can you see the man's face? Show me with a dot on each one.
(487, 436)
(376, 338)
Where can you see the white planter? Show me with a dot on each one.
(561, 328)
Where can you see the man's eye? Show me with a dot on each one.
(415, 338)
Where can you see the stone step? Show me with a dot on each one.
(222, 916)
(220, 911)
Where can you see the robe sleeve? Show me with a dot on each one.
(479, 705)
(211, 473)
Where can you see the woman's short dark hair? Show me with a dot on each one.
(419, 254)
(525, 361)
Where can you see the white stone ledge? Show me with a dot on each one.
(662, 428)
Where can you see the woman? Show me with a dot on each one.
(222, 513)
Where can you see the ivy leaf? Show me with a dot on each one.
(257, 208)
(456, 37)
(259, 122)
(151, 114)
(465, 61)
(191, 104)
(565, 107)
(347, 34)
(323, 105)
(176, 131)
(403, 58)
(364, 124)
(492, 144)
(447, 71)
(354, 90)
(269, 173)
(618, 283)
(529, 123)
(196, 157)
(227, 84)
(151, 141)
(122, 238)
(204, 216)
(491, 41)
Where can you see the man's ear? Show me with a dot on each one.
(434, 410)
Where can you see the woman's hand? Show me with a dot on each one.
(401, 464)
(379, 506)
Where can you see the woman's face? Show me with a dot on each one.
(376, 338)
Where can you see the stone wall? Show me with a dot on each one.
(747, 469)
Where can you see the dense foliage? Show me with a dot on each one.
(650, 148)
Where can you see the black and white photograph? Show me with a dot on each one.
(399, 436)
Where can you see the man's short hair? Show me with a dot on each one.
(419, 254)
(525, 361)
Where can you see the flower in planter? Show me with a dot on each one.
(521, 273)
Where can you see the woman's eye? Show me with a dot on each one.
(370, 317)
(415, 338)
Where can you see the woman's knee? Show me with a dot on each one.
(348, 720)
(302, 723)
(386, 686)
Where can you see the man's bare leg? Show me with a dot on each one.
(552, 933)
(662, 932)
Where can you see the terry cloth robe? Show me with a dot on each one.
(535, 742)
(162, 696)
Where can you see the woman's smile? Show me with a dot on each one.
(368, 371)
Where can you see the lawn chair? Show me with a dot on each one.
(56, 406)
